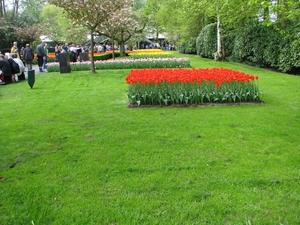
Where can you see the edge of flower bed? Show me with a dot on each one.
(130, 105)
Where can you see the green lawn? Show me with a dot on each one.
(72, 153)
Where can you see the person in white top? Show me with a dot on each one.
(21, 65)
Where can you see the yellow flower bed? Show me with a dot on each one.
(149, 52)
(149, 49)
(146, 51)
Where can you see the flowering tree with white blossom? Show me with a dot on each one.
(122, 24)
(29, 33)
(87, 13)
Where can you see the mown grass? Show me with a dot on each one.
(71, 152)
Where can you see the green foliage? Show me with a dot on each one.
(258, 39)
(60, 28)
(257, 45)
(106, 56)
(273, 42)
(289, 58)
(28, 15)
(206, 42)
(228, 42)
(32, 11)
(263, 46)
(188, 47)
(7, 34)
(177, 24)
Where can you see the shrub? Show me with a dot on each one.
(256, 45)
(206, 42)
(228, 42)
(188, 47)
(289, 58)
(105, 56)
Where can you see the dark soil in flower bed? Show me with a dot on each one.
(130, 105)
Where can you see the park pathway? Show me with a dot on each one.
(36, 69)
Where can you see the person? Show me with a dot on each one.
(14, 49)
(66, 47)
(5, 76)
(40, 55)
(45, 58)
(21, 52)
(78, 51)
(57, 50)
(20, 75)
(14, 68)
(28, 56)
(73, 51)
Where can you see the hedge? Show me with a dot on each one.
(254, 44)
(206, 42)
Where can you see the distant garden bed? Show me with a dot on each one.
(165, 87)
(126, 64)
(149, 53)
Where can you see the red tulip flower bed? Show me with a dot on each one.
(190, 86)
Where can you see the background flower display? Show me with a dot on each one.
(150, 53)
(190, 86)
(173, 62)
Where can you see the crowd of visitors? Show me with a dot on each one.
(12, 68)
(75, 50)
(14, 63)
(23, 57)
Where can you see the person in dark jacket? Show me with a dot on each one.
(5, 76)
(28, 56)
(11, 64)
(41, 55)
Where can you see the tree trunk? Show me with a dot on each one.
(16, 7)
(92, 53)
(266, 14)
(285, 21)
(122, 48)
(219, 54)
(157, 34)
(113, 48)
(2, 8)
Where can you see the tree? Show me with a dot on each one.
(87, 13)
(29, 11)
(122, 24)
(201, 13)
(16, 7)
(61, 29)
(2, 8)
(151, 9)
(29, 33)
(177, 24)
